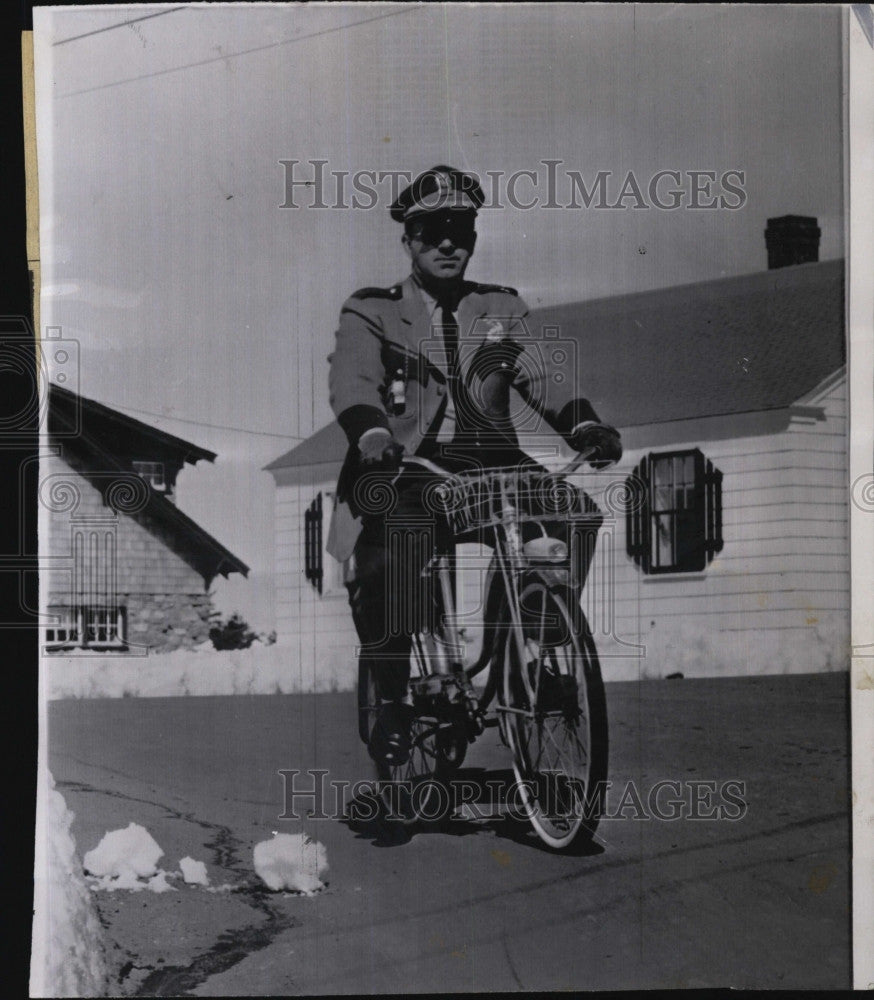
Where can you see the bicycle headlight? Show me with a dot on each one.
(547, 550)
(557, 551)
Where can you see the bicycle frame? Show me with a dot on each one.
(510, 560)
(550, 706)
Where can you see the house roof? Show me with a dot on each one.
(735, 345)
(112, 426)
(325, 446)
(87, 426)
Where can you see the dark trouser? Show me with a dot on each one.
(393, 549)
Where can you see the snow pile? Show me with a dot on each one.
(820, 644)
(128, 859)
(695, 647)
(159, 883)
(193, 872)
(204, 671)
(123, 857)
(68, 958)
(291, 861)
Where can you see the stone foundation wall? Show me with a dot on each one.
(101, 558)
(166, 622)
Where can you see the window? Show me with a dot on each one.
(66, 629)
(677, 526)
(153, 473)
(87, 627)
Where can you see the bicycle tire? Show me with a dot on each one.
(557, 729)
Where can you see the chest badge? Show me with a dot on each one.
(494, 330)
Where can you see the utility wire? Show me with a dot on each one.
(245, 52)
(122, 24)
(201, 423)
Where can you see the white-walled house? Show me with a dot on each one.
(734, 559)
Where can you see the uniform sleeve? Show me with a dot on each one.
(356, 371)
(557, 400)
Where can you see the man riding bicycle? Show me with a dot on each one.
(424, 369)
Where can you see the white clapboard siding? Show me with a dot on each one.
(317, 629)
(724, 572)
(777, 592)
(785, 562)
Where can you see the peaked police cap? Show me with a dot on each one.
(438, 189)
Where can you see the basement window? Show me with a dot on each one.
(87, 627)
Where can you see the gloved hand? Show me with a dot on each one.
(603, 438)
(378, 451)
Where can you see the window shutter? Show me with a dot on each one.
(637, 514)
(691, 526)
(313, 543)
(713, 508)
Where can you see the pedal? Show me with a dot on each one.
(491, 723)
(431, 685)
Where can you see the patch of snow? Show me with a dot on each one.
(68, 956)
(204, 671)
(158, 883)
(125, 853)
(291, 861)
(695, 648)
(110, 883)
(193, 872)
(820, 644)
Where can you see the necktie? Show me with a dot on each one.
(450, 341)
(463, 405)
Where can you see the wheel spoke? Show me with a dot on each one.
(553, 741)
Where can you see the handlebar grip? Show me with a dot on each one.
(575, 463)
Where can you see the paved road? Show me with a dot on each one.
(759, 901)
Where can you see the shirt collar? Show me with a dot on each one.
(431, 304)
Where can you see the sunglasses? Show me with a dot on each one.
(460, 231)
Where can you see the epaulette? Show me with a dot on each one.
(482, 289)
(393, 293)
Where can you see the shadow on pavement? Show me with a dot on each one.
(482, 800)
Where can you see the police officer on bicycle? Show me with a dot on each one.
(424, 368)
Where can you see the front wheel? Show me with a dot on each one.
(552, 699)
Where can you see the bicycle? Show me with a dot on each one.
(543, 671)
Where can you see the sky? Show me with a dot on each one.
(201, 306)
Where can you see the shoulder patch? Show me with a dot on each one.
(393, 293)
(482, 289)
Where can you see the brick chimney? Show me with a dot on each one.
(792, 239)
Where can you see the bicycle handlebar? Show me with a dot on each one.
(438, 470)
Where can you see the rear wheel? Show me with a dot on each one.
(555, 713)
(412, 791)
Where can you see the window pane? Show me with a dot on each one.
(689, 472)
(662, 483)
(663, 540)
(101, 625)
(63, 630)
(152, 472)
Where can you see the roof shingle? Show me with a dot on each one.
(735, 345)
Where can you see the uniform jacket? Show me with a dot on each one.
(386, 334)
